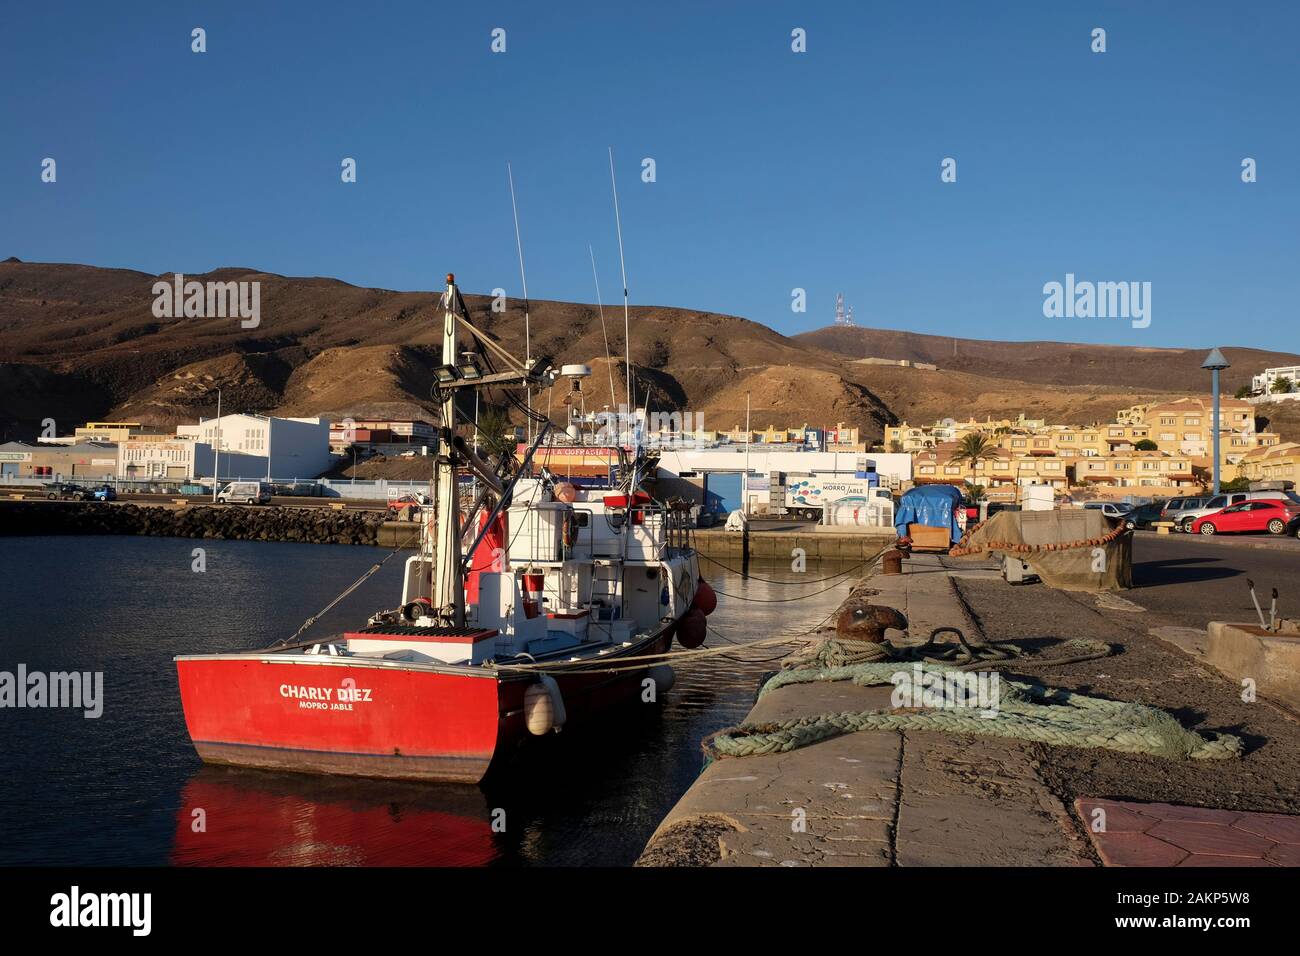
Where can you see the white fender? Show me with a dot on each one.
(544, 706)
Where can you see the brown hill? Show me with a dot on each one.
(79, 342)
(920, 397)
(327, 347)
(1049, 363)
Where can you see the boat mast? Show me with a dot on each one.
(448, 586)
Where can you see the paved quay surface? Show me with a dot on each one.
(1191, 579)
(873, 798)
(924, 798)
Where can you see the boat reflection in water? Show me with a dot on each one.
(234, 817)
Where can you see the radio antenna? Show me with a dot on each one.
(523, 279)
(627, 340)
(609, 359)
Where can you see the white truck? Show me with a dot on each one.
(807, 496)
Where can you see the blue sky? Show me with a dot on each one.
(775, 170)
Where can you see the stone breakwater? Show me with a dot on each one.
(230, 523)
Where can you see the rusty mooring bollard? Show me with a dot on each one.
(859, 620)
(891, 562)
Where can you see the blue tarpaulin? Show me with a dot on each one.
(931, 505)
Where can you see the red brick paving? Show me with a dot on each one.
(1165, 834)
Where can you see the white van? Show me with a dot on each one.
(1111, 509)
(249, 492)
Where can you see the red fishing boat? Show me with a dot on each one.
(541, 604)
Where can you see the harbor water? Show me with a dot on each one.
(126, 788)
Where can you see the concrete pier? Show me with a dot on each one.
(874, 798)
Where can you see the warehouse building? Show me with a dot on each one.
(82, 461)
(285, 447)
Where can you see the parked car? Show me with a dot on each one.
(104, 493)
(1273, 515)
(1111, 509)
(1144, 516)
(1188, 516)
(1174, 508)
(249, 492)
(66, 491)
(406, 506)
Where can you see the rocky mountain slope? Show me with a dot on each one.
(79, 342)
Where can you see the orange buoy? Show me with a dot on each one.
(692, 629)
(705, 600)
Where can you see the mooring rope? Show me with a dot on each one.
(1023, 710)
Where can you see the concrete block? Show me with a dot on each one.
(1272, 661)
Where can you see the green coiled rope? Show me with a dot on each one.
(1024, 710)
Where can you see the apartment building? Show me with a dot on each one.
(911, 438)
(1185, 426)
(840, 438)
(1277, 462)
(1153, 471)
(1262, 384)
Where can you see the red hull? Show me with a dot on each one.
(372, 718)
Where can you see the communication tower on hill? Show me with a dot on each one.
(843, 317)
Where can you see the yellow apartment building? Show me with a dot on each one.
(842, 437)
(1152, 471)
(1277, 462)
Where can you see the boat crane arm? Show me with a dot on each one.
(504, 500)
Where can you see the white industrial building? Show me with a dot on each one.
(721, 469)
(286, 447)
(183, 459)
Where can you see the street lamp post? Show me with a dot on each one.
(744, 480)
(1216, 363)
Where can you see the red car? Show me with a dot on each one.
(1271, 515)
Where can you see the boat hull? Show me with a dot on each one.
(377, 718)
